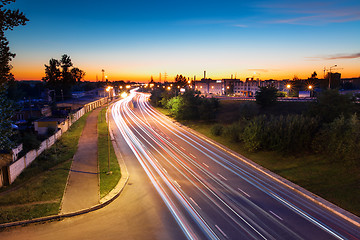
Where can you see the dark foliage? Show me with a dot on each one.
(266, 96)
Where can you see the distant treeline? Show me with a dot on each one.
(185, 106)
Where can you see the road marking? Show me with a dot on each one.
(177, 184)
(221, 231)
(195, 203)
(165, 170)
(243, 192)
(192, 155)
(206, 165)
(222, 176)
(182, 148)
(276, 215)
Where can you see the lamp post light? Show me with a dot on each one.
(310, 87)
(108, 89)
(288, 86)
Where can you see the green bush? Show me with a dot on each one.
(331, 104)
(234, 131)
(340, 140)
(217, 130)
(291, 133)
(253, 133)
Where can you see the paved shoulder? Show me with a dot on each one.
(82, 190)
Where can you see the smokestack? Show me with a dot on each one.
(204, 74)
(231, 76)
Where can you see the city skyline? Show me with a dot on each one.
(137, 40)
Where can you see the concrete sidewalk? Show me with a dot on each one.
(82, 189)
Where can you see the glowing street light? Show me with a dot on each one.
(288, 86)
(124, 95)
(310, 87)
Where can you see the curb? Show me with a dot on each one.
(110, 197)
(302, 191)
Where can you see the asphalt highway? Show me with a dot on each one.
(213, 194)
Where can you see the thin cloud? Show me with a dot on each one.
(334, 57)
(240, 25)
(206, 21)
(342, 56)
(258, 70)
(310, 13)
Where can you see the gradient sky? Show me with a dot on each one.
(133, 40)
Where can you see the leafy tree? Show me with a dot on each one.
(180, 80)
(331, 104)
(6, 112)
(8, 20)
(314, 75)
(60, 76)
(266, 96)
(156, 97)
(52, 72)
(77, 74)
(208, 108)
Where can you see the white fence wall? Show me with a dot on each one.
(16, 168)
(30, 157)
(41, 148)
(50, 141)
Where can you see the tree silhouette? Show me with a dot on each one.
(180, 80)
(8, 20)
(61, 77)
(52, 72)
(314, 75)
(77, 74)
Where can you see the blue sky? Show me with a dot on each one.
(136, 39)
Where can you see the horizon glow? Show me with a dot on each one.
(137, 40)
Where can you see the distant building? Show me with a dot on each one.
(32, 113)
(42, 125)
(247, 88)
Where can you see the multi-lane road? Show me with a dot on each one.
(213, 194)
(184, 186)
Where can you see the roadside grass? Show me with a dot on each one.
(107, 181)
(333, 181)
(38, 191)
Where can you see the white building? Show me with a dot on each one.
(247, 88)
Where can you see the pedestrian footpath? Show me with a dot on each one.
(82, 190)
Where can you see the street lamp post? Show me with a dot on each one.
(310, 87)
(108, 133)
(288, 86)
